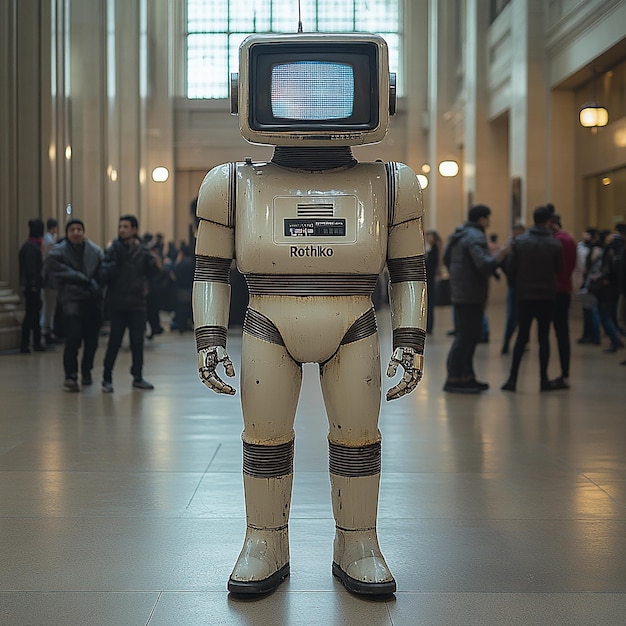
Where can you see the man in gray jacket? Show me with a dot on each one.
(470, 265)
(75, 265)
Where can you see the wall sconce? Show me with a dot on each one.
(592, 115)
(449, 169)
(160, 174)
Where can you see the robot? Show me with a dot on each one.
(311, 231)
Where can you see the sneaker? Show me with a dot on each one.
(461, 388)
(477, 383)
(141, 383)
(86, 379)
(107, 386)
(559, 383)
(509, 385)
(71, 384)
(549, 385)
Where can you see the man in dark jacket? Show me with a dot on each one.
(30, 264)
(470, 266)
(75, 266)
(128, 265)
(535, 261)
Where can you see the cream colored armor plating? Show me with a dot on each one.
(312, 327)
(268, 195)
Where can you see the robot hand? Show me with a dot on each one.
(208, 360)
(412, 364)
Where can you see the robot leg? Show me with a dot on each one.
(270, 385)
(351, 387)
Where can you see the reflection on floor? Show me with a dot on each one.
(127, 508)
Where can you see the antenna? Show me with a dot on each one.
(299, 17)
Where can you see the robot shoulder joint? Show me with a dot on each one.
(405, 194)
(216, 198)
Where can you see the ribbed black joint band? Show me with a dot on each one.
(391, 170)
(259, 326)
(212, 269)
(409, 338)
(407, 269)
(268, 461)
(353, 462)
(232, 193)
(363, 327)
(209, 336)
(311, 285)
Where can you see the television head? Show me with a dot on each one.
(313, 89)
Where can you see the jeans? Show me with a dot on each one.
(30, 323)
(135, 321)
(469, 327)
(82, 326)
(561, 328)
(605, 315)
(543, 312)
(511, 318)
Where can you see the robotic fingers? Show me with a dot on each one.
(208, 360)
(413, 366)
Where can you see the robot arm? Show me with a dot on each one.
(407, 273)
(215, 245)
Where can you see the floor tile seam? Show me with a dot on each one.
(611, 497)
(312, 591)
(179, 515)
(84, 591)
(154, 607)
(204, 474)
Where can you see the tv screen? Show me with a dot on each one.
(315, 86)
(312, 90)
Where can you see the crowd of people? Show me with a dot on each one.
(544, 266)
(73, 289)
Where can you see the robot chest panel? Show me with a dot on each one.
(285, 227)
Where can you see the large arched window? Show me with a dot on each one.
(215, 30)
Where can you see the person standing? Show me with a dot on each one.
(31, 264)
(591, 324)
(75, 265)
(433, 251)
(470, 266)
(49, 288)
(511, 301)
(563, 299)
(535, 261)
(128, 266)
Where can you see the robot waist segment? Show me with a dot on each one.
(310, 328)
(305, 285)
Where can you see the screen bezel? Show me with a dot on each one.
(362, 56)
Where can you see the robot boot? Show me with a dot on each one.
(263, 562)
(357, 559)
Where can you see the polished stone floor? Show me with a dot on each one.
(127, 509)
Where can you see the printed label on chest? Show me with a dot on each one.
(315, 228)
(326, 219)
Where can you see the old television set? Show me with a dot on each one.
(313, 89)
